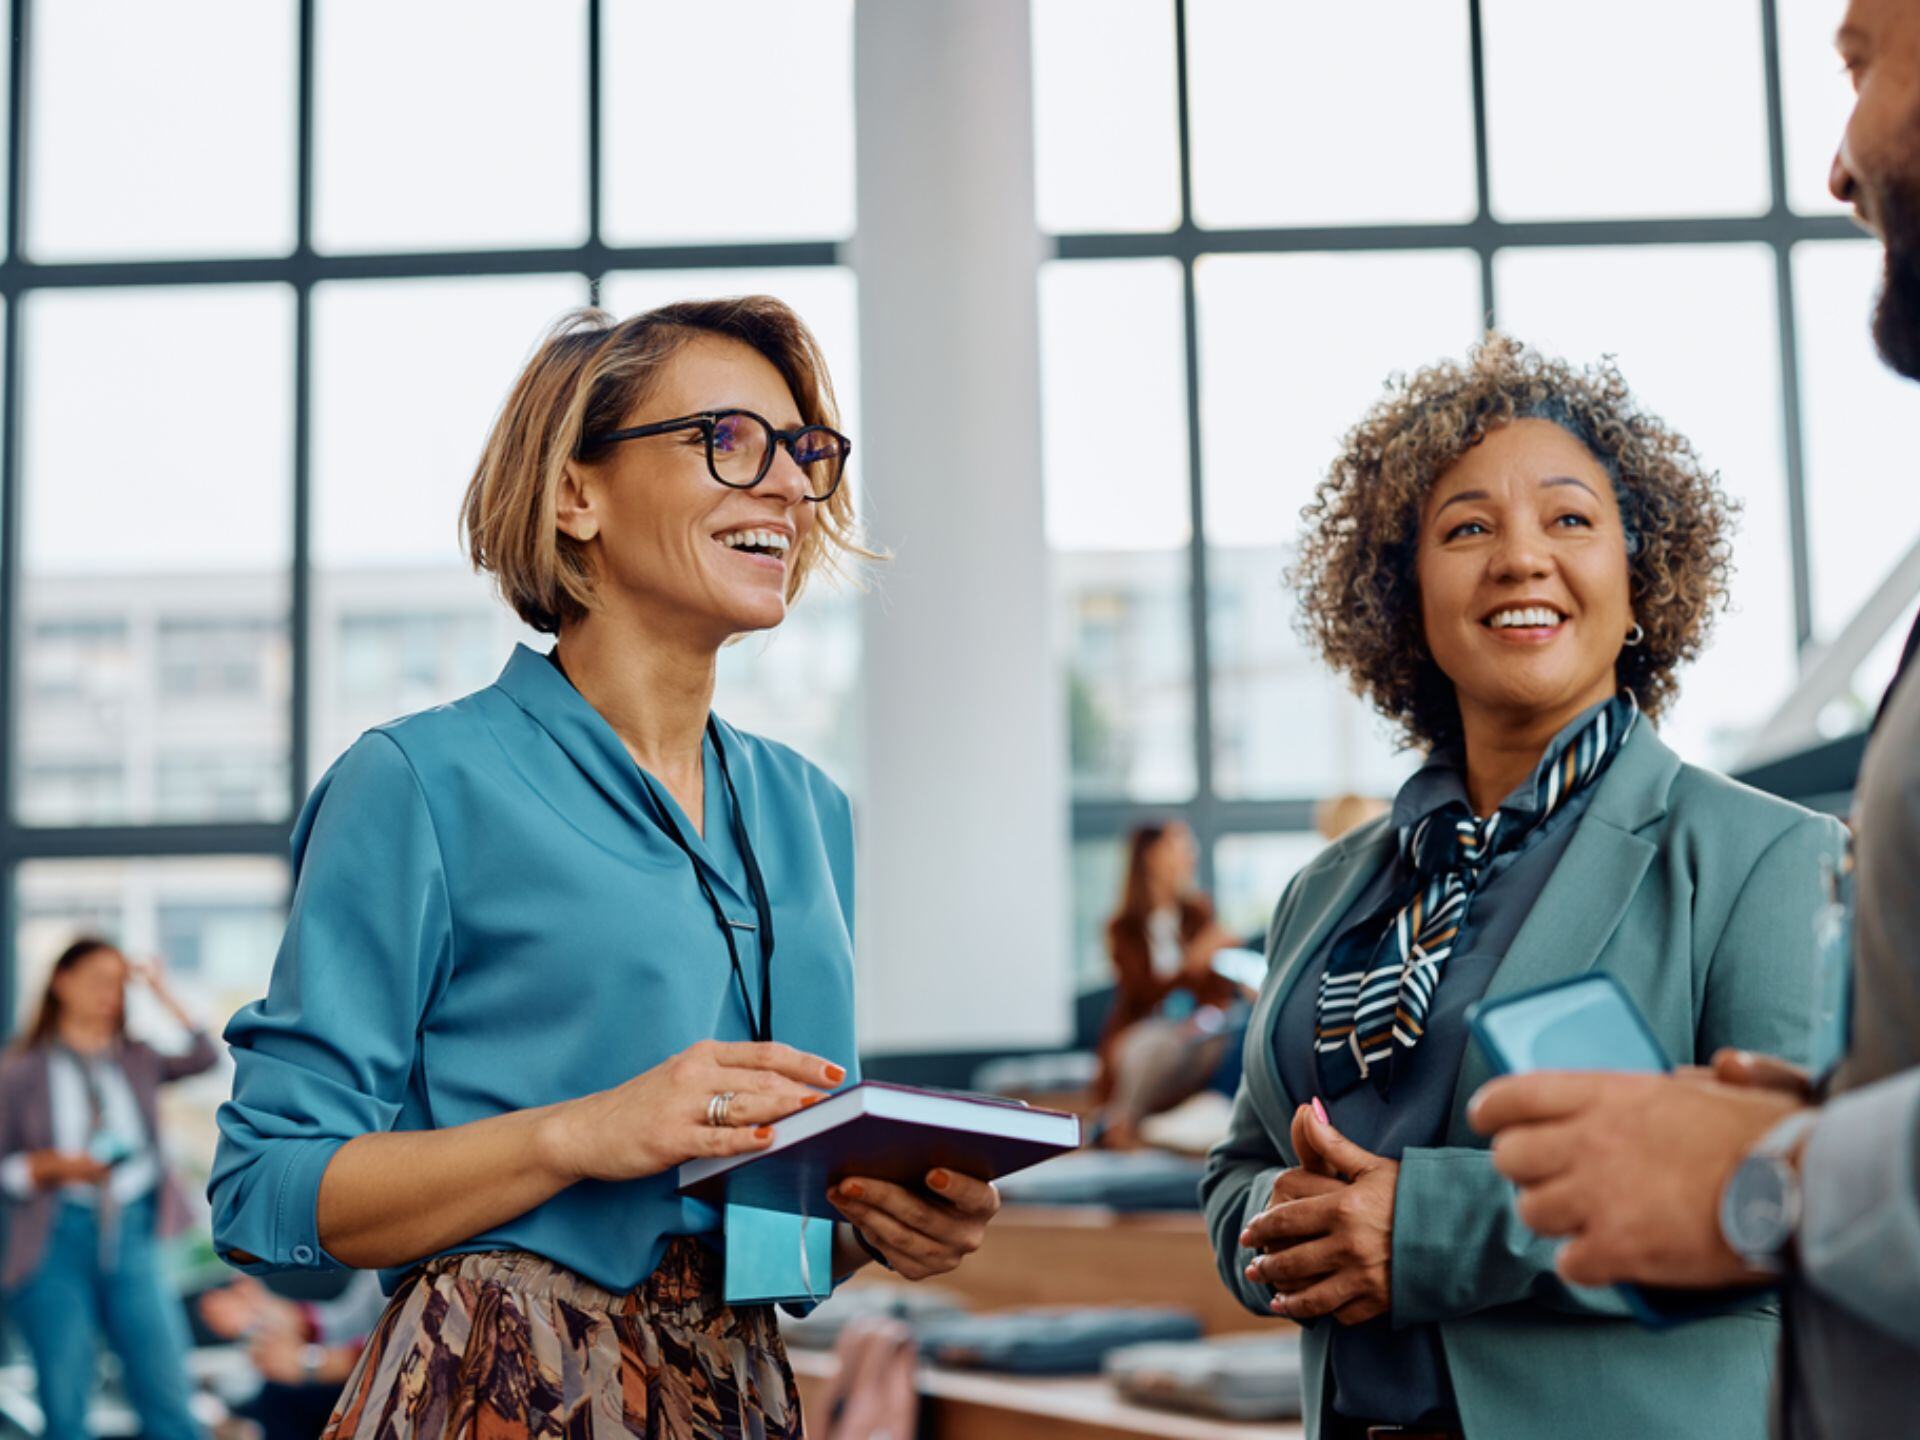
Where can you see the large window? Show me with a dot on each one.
(1260, 211)
(266, 279)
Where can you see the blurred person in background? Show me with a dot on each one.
(1763, 1173)
(1339, 815)
(1511, 560)
(89, 1193)
(303, 1351)
(1164, 1037)
(552, 940)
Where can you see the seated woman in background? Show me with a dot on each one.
(1163, 1038)
(1511, 561)
(90, 1195)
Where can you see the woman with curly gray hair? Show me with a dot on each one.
(1510, 559)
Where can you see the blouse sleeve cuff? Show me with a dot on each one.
(281, 1231)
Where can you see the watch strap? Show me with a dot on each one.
(1778, 1142)
(312, 1357)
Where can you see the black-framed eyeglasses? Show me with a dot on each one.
(740, 448)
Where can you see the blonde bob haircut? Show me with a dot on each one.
(586, 378)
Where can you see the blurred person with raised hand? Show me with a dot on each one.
(89, 1193)
(1757, 1173)
(552, 940)
(1512, 560)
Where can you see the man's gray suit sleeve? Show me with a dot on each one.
(1860, 1189)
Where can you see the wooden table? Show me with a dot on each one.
(1089, 1255)
(963, 1405)
(1071, 1255)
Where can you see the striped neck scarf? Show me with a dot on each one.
(1379, 983)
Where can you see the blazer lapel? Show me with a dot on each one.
(1325, 897)
(1588, 893)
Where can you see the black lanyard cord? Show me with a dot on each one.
(756, 884)
(760, 1025)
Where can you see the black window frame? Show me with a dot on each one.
(1211, 815)
(301, 269)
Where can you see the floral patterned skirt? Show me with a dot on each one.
(507, 1346)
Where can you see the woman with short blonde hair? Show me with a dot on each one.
(588, 375)
(555, 938)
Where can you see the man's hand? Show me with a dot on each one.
(1327, 1238)
(1762, 1072)
(1630, 1166)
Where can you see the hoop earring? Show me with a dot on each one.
(1635, 635)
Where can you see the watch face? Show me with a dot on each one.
(1757, 1218)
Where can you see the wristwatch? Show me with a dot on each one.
(312, 1357)
(1760, 1207)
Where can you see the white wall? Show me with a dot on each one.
(963, 929)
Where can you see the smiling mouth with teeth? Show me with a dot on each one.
(756, 542)
(1530, 617)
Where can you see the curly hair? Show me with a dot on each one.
(1356, 574)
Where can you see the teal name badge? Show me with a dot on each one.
(774, 1258)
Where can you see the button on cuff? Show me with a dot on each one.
(296, 1218)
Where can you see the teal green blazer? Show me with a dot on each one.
(1700, 896)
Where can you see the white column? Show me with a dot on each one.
(964, 929)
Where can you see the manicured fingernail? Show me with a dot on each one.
(835, 1074)
(811, 1100)
(939, 1179)
(765, 1132)
(852, 1190)
(1320, 1112)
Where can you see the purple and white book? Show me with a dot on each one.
(882, 1132)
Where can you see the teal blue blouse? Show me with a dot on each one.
(490, 913)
